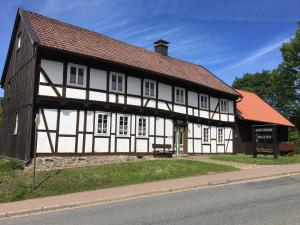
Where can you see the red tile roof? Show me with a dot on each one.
(253, 108)
(62, 36)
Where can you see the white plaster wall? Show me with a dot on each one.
(190, 130)
(66, 145)
(231, 118)
(113, 122)
(112, 98)
(133, 100)
(197, 146)
(213, 146)
(164, 92)
(75, 93)
(206, 148)
(97, 96)
(133, 85)
(98, 79)
(180, 109)
(213, 132)
(43, 145)
(151, 125)
(224, 117)
(169, 127)
(133, 127)
(122, 145)
(101, 145)
(48, 91)
(228, 133)
(80, 143)
(141, 145)
(121, 99)
(213, 104)
(197, 130)
(88, 143)
(90, 121)
(81, 121)
(190, 111)
(133, 144)
(159, 140)
(151, 141)
(54, 70)
(204, 114)
(229, 147)
(162, 106)
(159, 126)
(220, 149)
(190, 146)
(112, 143)
(68, 119)
(193, 99)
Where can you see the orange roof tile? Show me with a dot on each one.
(55, 34)
(252, 107)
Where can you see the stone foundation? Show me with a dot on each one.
(60, 162)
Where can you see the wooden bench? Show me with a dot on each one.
(162, 150)
(287, 148)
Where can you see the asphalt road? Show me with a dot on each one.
(275, 201)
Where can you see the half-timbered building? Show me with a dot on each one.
(93, 94)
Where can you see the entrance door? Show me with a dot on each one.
(179, 135)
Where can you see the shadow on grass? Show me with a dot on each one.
(47, 178)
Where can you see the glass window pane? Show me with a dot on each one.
(114, 82)
(152, 89)
(80, 79)
(147, 88)
(120, 83)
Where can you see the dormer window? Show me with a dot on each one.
(179, 95)
(19, 42)
(76, 75)
(149, 88)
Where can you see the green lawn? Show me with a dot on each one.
(16, 184)
(261, 159)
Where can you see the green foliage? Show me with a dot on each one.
(281, 86)
(261, 159)
(8, 165)
(16, 184)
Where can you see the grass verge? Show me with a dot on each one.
(16, 184)
(261, 159)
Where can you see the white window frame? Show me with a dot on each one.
(154, 90)
(128, 125)
(77, 68)
(175, 95)
(138, 126)
(108, 123)
(226, 101)
(204, 96)
(123, 82)
(208, 135)
(16, 124)
(19, 42)
(222, 141)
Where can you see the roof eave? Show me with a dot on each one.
(20, 15)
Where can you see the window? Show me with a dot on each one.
(142, 126)
(102, 123)
(16, 124)
(223, 103)
(19, 42)
(76, 75)
(149, 88)
(205, 133)
(220, 139)
(180, 95)
(123, 125)
(203, 101)
(117, 82)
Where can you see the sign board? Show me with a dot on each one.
(265, 140)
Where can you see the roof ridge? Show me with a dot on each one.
(108, 37)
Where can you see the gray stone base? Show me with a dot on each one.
(59, 162)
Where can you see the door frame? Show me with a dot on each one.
(183, 124)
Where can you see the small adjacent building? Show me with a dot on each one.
(253, 110)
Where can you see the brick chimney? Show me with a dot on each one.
(161, 46)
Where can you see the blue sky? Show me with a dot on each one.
(229, 38)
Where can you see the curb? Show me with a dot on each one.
(141, 195)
